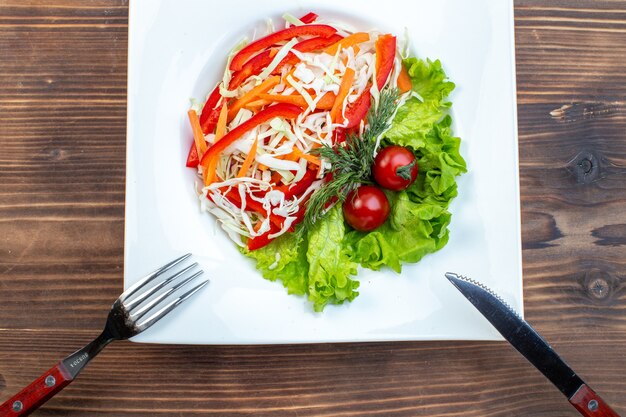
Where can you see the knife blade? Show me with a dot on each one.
(532, 346)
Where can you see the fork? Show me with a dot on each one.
(134, 311)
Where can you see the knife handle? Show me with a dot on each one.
(38, 392)
(589, 404)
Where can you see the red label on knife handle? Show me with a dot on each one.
(589, 404)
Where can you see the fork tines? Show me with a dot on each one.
(143, 298)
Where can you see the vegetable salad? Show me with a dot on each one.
(285, 146)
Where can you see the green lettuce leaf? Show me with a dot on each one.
(315, 263)
(429, 79)
(284, 259)
(411, 231)
(440, 162)
(415, 119)
(329, 265)
(418, 222)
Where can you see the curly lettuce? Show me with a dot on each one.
(321, 263)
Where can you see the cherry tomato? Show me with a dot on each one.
(366, 208)
(395, 168)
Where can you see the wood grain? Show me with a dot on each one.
(62, 173)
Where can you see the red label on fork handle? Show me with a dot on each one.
(38, 392)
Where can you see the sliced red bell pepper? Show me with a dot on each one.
(301, 186)
(355, 112)
(263, 240)
(317, 43)
(259, 45)
(233, 196)
(208, 117)
(254, 66)
(257, 63)
(309, 18)
(385, 54)
(339, 135)
(192, 157)
(307, 45)
(285, 110)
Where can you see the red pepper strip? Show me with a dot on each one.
(263, 240)
(385, 54)
(291, 32)
(257, 63)
(192, 157)
(307, 45)
(317, 43)
(301, 186)
(208, 117)
(253, 67)
(339, 136)
(285, 110)
(309, 18)
(355, 112)
(235, 198)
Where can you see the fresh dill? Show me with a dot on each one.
(351, 162)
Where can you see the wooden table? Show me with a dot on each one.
(62, 167)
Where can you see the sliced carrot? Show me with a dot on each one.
(247, 163)
(404, 81)
(209, 173)
(263, 167)
(252, 95)
(344, 89)
(348, 41)
(293, 156)
(220, 129)
(198, 136)
(310, 158)
(325, 103)
(276, 178)
(257, 103)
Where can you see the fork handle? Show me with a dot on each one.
(38, 392)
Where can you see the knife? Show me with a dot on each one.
(532, 346)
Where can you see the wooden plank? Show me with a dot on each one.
(62, 173)
(390, 379)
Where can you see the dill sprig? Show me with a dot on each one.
(352, 161)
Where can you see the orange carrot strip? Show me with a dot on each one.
(291, 156)
(198, 136)
(276, 178)
(312, 159)
(404, 81)
(252, 95)
(257, 103)
(325, 103)
(220, 129)
(344, 89)
(208, 179)
(347, 42)
(247, 163)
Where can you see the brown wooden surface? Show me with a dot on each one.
(62, 163)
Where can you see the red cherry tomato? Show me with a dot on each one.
(366, 208)
(395, 168)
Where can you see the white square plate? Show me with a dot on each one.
(177, 50)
